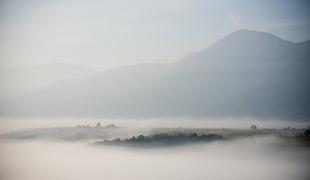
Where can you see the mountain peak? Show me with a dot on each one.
(243, 44)
(249, 31)
(250, 36)
(242, 40)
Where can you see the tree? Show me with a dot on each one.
(253, 127)
(111, 126)
(193, 135)
(98, 124)
(140, 137)
(307, 132)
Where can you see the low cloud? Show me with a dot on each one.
(251, 158)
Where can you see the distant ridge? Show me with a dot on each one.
(247, 73)
(18, 80)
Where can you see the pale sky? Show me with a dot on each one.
(108, 33)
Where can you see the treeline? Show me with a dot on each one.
(165, 139)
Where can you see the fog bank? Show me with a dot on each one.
(253, 158)
(10, 124)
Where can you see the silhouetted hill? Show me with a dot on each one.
(247, 73)
(18, 80)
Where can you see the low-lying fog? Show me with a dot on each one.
(9, 125)
(254, 158)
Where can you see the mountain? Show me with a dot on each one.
(247, 73)
(18, 80)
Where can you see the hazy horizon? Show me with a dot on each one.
(104, 34)
(154, 89)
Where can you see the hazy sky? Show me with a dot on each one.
(106, 33)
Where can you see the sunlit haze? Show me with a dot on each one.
(104, 34)
(154, 89)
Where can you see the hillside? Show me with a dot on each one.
(247, 73)
(19, 80)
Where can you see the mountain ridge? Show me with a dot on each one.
(17, 80)
(266, 82)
